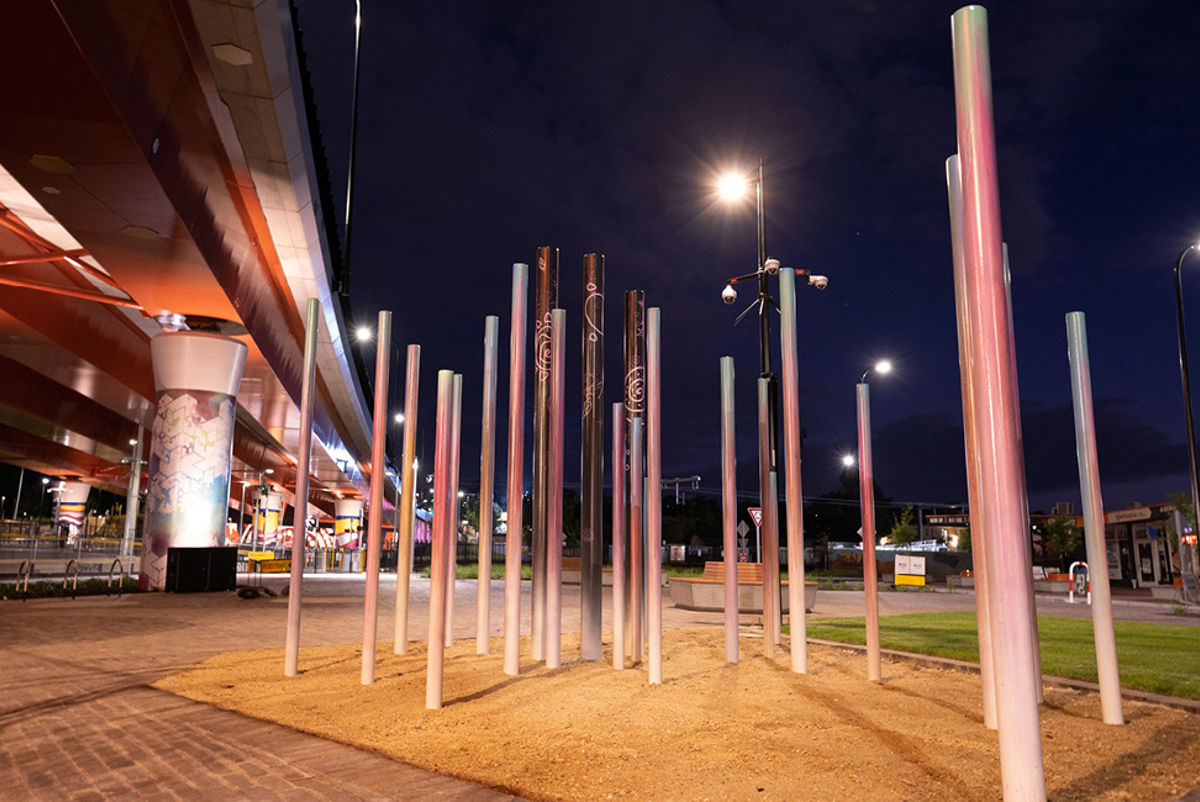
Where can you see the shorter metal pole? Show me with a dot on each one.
(635, 539)
(554, 516)
(487, 466)
(1093, 520)
(654, 480)
(769, 509)
(866, 494)
(729, 509)
(455, 506)
(408, 482)
(292, 639)
(440, 532)
(383, 346)
(618, 536)
(795, 503)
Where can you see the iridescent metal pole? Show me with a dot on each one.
(791, 442)
(1187, 553)
(768, 510)
(545, 300)
(729, 509)
(292, 644)
(1093, 520)
(437, 562)
(866, 495)
(516, 464)
(591, 488)
(1021, 767)
(408, 472)
(455, 505)
(637, 636)
(383, 352)
(487, 471)
(554, 518)
(983, 617)
(654, 480)
(618, 535)
(773, 566)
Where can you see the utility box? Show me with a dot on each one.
(199, 570)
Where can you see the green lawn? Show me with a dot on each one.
(1159, 658)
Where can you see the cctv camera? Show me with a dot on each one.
(771, 266)
(729, 294)
(820, 282)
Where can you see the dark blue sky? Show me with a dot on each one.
(487, 130)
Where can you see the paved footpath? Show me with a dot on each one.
(79, 720)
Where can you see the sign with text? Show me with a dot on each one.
(910, 570)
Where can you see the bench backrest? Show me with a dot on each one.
(747, 573)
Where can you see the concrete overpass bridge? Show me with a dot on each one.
(161, 171)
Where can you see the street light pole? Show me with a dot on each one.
(1187, 557)
(764, 320)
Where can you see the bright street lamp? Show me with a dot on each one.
(362, 334)
(847, 460)
(866, 495)
(398, 417)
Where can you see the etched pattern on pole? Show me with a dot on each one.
(591, 501)
(554, 517)
(546, 300)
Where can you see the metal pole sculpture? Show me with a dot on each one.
(791, 442)
(636, 508)
(292, 644)
(487, 471)
(982, 576)
(729, 509)
(133, 498)
(1187, 554)
(545, 300)
(769, 510)
(654, 480)
(516, 464)
(618, 535)
(773, 566)
(554, 518)
(1093, 520)
(591, 488)
(635, 405)
(383, 348)
(996, 415)
(440, 530)
(408, 481)
(866, 495)
(455, 505)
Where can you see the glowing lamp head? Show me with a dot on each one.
(883, 366)
(848, 461)
(732, 187)
(398, 417)
(362, 334)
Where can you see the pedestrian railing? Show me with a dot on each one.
(120, 566)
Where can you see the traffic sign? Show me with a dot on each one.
(742, 529)
(755, 515)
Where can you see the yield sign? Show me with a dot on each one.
(755, 515)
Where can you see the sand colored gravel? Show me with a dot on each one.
(749, 731)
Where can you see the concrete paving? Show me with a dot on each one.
(78, 719)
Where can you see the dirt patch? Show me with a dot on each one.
(753, 730)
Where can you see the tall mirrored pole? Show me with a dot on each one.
(291, 650)
(591, 485)
(791, 443)
(654, 482)
(618, 535)
(635, 407)
(866, 503)
(768, 510)
(383, 349)
(455, 517)
(133, 498)
(436, 658)
(729, 509)
(554, 518)
(545, 299)
(487, 481)
(773, 562)
(996, 415)
(516, 464)
(983, 618)
(1093, 520)
(405, 508)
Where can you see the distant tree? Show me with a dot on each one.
(1061, 537)
(964, 539)
(903, 532)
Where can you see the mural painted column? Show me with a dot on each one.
(196, 376)
(270, 511)
(72, 499)
(347, 522)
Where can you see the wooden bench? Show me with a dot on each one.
(572, 563)
(747, 573)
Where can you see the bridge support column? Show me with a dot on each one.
(196, 376)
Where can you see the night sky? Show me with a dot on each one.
(486, 130)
